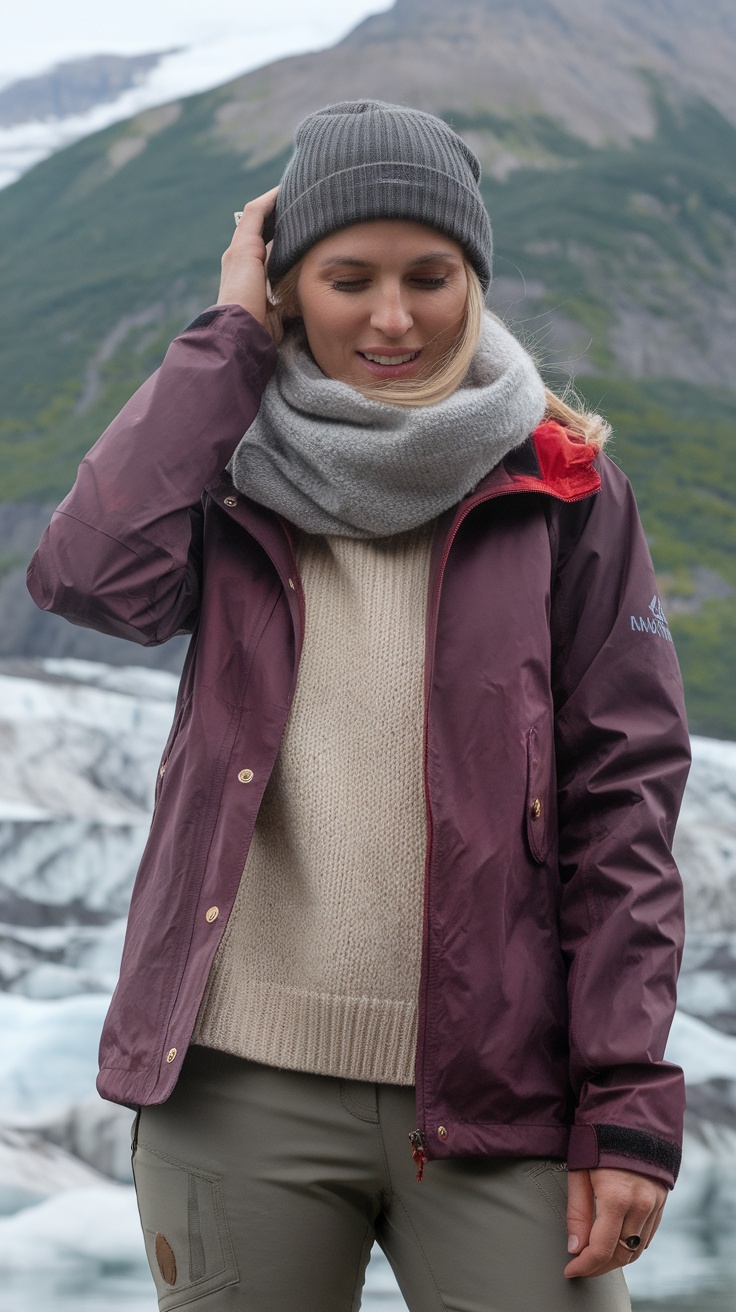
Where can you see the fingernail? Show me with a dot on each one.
(573, 1244)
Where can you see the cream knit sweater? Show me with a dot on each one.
(318, 969)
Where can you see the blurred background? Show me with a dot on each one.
(607, 132)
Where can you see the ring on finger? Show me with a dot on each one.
(632, 1243)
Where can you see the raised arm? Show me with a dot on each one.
(122, 551)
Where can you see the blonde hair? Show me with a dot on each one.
(568, 410)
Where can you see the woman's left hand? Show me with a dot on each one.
(604, 1207)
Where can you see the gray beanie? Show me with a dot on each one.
(365, 159)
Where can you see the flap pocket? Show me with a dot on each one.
(185, 1228)
(539, 820)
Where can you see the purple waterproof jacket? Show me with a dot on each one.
(556, 754)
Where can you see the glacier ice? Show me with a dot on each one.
(81, 743)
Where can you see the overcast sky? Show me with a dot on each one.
(221, 38)
(237, 34)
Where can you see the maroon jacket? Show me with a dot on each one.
(556, 754)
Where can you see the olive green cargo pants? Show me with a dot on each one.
(264, 1190)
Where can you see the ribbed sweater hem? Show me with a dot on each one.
(352, 1038)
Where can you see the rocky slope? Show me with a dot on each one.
(583, 63)
(73, 87)
(608, 126)
(611, 189)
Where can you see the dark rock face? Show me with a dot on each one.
(73, 87)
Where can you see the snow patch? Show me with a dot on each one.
(703, 1053)
(49, 1055)
(83, 1230)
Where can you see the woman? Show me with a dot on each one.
(408, 896)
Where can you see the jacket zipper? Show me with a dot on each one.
(417, 1137)
(418, 1153)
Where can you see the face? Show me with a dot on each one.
(382, 300)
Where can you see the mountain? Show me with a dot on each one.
(585, 64)
(608, 134)
(73, 87)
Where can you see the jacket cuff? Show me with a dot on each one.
(619, 1146)
(233, 318)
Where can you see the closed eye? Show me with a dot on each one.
(357, 284)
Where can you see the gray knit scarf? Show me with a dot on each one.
(333, 462)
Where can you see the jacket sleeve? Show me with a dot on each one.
(622, 760)
(122, 552)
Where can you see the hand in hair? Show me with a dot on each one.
(243, 278)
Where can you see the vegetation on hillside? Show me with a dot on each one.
(677, 444)
(84, 243)
(101, 264)
(645, 221)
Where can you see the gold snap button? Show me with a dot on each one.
(171, 1055)
(231, 501)
(245, 776)
(442, 1132)
(292, 585)
(162, 771)
(212, 914)
(536, 808)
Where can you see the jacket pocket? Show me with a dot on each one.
(540, 822)
(184, 1228)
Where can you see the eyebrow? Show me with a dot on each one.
(367, 264)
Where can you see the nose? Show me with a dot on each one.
(391, 314)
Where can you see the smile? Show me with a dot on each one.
(390, 359)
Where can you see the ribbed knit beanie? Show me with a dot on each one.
(365, 159)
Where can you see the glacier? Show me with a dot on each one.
(81, 743)
(218, 43)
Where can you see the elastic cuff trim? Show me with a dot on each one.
(587, 1142)
(641, 1144)
(204, 320)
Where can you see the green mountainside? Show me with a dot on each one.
(620, 257)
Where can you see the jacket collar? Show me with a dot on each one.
(551, 461)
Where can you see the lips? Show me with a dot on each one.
(385, 363)
(389, 359)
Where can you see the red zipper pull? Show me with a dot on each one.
(418, 1153)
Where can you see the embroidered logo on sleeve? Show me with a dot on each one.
(655, 622)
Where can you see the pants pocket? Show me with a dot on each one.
(184, 1227)
(550, 1177)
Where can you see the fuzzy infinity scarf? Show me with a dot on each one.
(333, 462)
